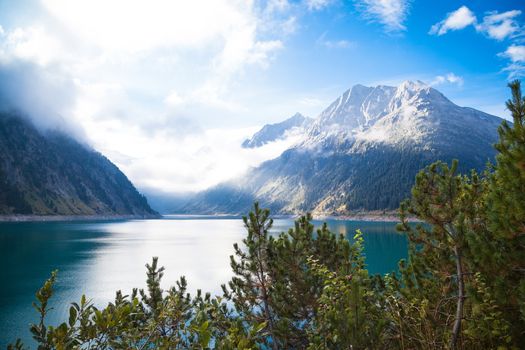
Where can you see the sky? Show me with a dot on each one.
(168, 90)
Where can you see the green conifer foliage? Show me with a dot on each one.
(250, 288)
(505, 248)
(507, 204)
(349, 314)
(297, 286)
(274, 284)
(444, 200)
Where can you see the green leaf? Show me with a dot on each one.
(72, 316)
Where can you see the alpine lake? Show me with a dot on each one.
(99, 258)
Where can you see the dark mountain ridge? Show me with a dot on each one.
(49, 173)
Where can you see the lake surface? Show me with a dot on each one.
(98, 258)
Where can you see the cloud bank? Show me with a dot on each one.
(118, 71)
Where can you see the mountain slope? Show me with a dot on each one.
(52, 174)
(274, 132)
(362, 153)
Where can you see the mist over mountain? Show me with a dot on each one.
(296, 124)
(50, 173)
(43, 96)
(361, 153)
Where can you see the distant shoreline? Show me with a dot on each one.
(388, 216)
(360, 216)
(371, 216)
(54, 218)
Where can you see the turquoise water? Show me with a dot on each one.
(98, 258)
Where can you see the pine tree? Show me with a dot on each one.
(507, 204)
(471, 250)
(447, 202)
(274, 282)
(250, 288)
(505, 248)
(297, 287)
(349, 313)
(154, 297)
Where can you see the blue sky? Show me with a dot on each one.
(370, 53)
(168, 89)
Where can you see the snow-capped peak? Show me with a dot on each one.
(415, 93)
(413, 85)
(411, 112)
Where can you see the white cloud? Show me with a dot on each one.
(278, 17)
(500, 25)
(33, 44)
(316, 5)
(174, 99)
(171, 153)
(334, 44)
(288, 26)
(190, 162)
(130, 27)
(142, 79)
(516, 70)
(338, 44)
(450, 78)
(456, 20)
(390, 13)
(277, 6)
(495, 25)
(46, 96)
(137, 25)
(516, 54)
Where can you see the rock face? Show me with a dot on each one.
(272, 132)
(361, 153)
(49, 173)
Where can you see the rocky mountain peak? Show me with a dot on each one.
(417, 94)
(273, 132)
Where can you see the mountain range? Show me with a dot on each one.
(49, 173)
(361, 153)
